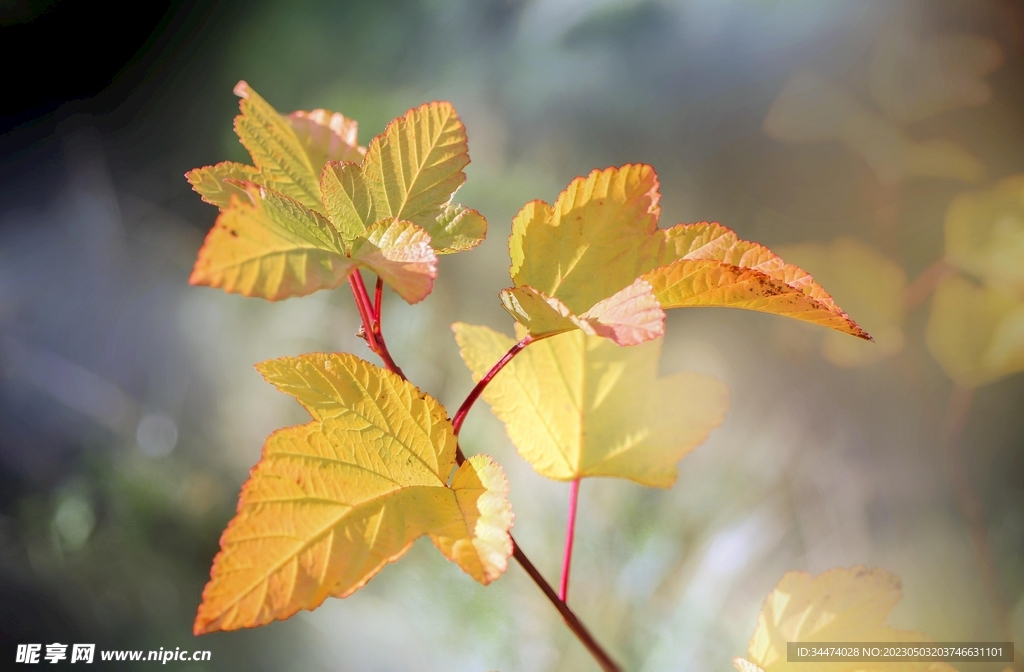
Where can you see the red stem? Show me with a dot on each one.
(474, 394)
(378, 296)
(570, 534)
(371, 326)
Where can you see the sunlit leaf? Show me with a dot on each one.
(331, 502)
(912, 77)
(347, 200)
(576, 405)
(867, 283)
(326, 136)
(276, 149)
(811, 108)
(265, 244)
(976, 333)
(414, 166)
(840, 605)
(217, 183)
(457, 228)
(400, 253)
(598, 258)
(985, 233)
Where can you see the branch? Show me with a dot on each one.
(574, 624)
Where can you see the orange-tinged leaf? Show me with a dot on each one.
(400, 253)
(576, 405)
(326, 136)
(331, 502)
(217, 183)
(985, 234)
(414, 166)
(347, 200)
(270, 246)
(840, 605)
(456, 229)
(598, 253)
(276, 149)
(976, 333)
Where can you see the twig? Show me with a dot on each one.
(573, 623)
(918, 291)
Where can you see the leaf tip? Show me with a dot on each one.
(241, 89)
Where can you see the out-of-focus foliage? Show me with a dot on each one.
(866, 283)
(333, 501)
(840, 605)
(976, 332)
(985, 234)
(576, 405)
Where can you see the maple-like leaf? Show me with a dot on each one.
(865, 282)
(266, 244)
(840, 605)
(598, 262)
(331, 502)
(576, 405)
(985, 234)
(976, 332)
(391, 213)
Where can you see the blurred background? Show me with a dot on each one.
(880, 145)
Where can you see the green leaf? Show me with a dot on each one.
(276, 149)
(270, 246)
(413, 167)
(333, 501)
(216, 184)
(456, 229)
(347, 200)
(576, 405)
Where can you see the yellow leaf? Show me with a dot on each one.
(985, 233)
(400, 253)
(413, 167)
(209, 181)
(576, 405)
(331, 502)
(347, 200)
(840, 605)
(326, 136)
(276, 149)
(267, 245)
(867, 283)
(976, 333)
(598, 257)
